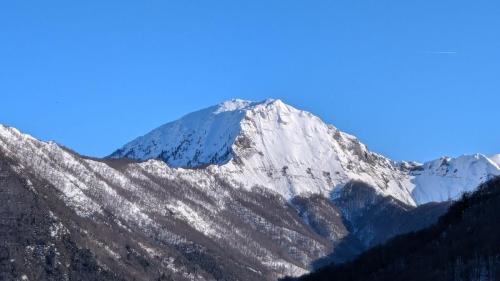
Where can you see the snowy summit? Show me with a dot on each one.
(292, 152)
(200, 138)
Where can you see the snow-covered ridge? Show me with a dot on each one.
(495, 159)
(293, 152)
(447, 178)
(199, 138)
(268, 144)
(283, 149)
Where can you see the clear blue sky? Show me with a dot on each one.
(412, 79)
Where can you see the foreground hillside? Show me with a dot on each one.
(463, 245)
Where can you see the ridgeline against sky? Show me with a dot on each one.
(412, 80)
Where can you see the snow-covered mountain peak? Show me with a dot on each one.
(292, 152)
(268, 144)
(203, 137)
(446, 178)
(197, 139)
(464, 162)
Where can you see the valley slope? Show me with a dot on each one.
(238, 191)
(463, 245)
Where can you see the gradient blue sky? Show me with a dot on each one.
(412, 79)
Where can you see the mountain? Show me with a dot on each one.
(462, 245)
(66, 216)
(268, 144)
(239, 191)
(447, 178)
(292, 152)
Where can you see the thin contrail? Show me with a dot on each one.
(443, 52)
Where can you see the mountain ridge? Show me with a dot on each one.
(273, 209)
(148, 221)
(272, 144)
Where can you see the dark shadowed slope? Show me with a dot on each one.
(34, 245)
(463, 245)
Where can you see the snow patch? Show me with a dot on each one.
(192, 217)
(57, 229)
